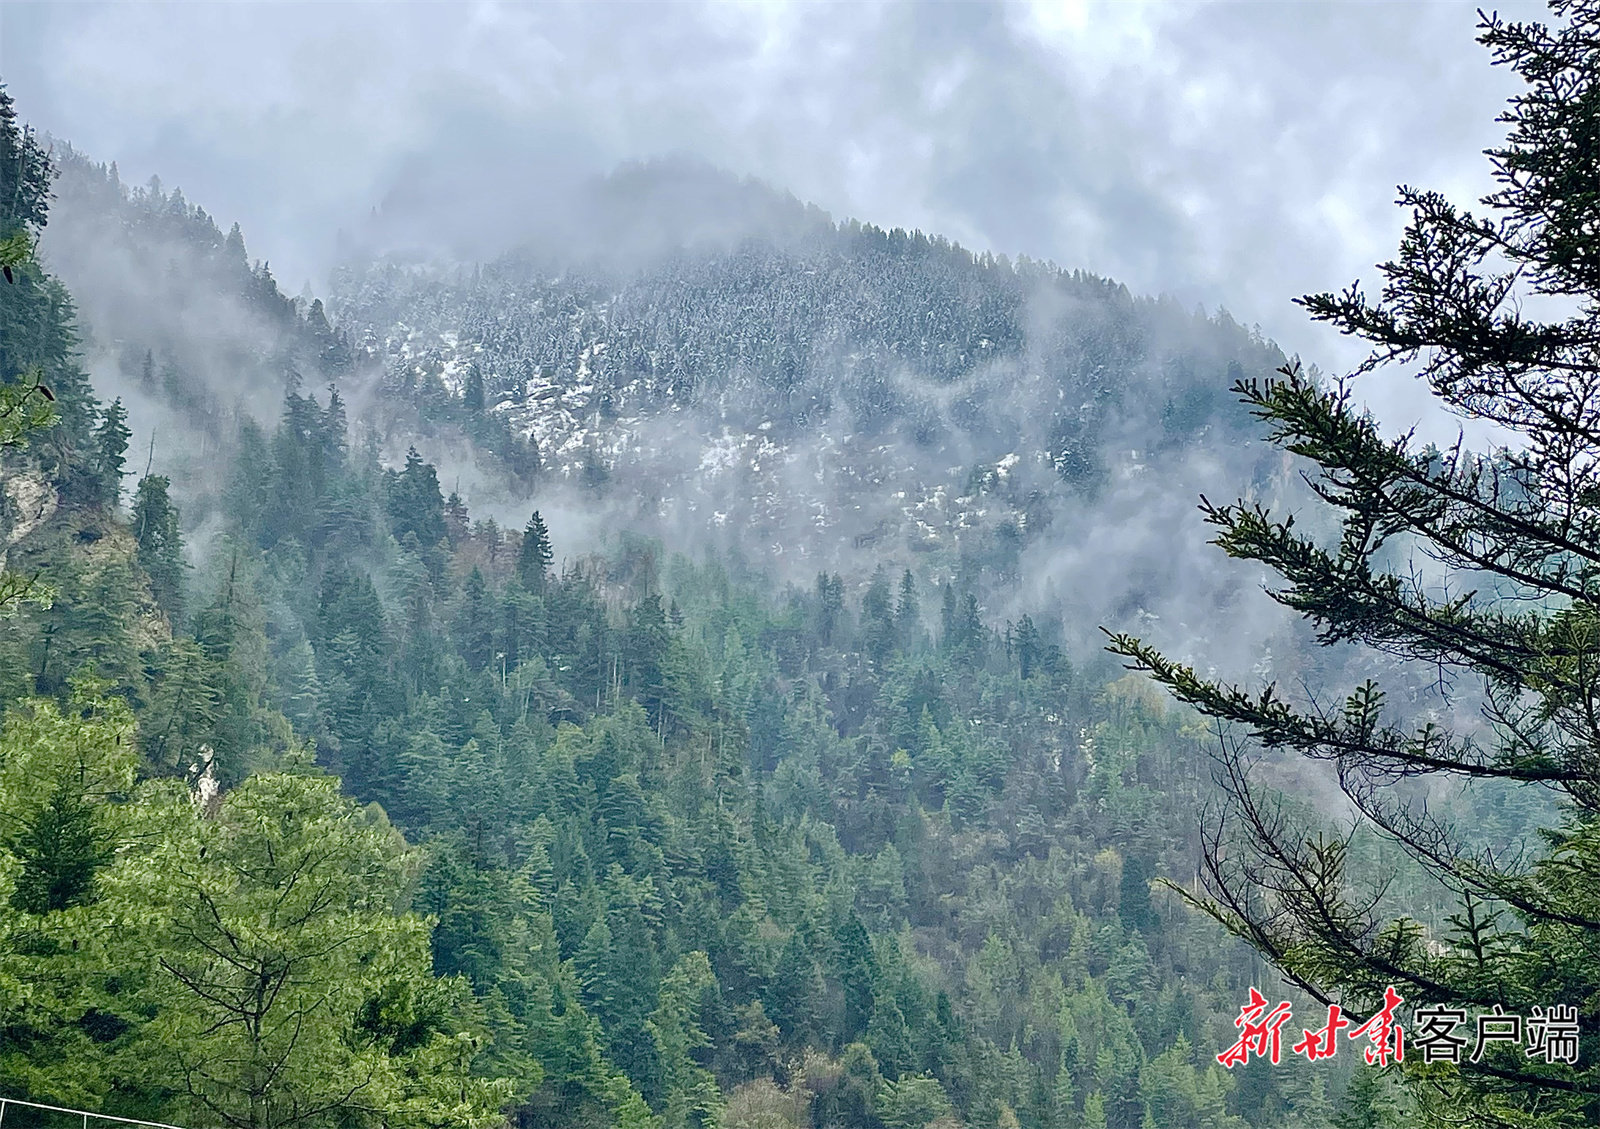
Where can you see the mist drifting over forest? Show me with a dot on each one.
(615, 565)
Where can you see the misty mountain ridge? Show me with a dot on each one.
(174, 315)
(639, 212)
(709, 360)
(808, 395)
(835, 395)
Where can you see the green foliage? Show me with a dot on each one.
(61, 1012)
(58, 774)
(290, 991)
(24, 407)
(15, 249)
(912, 1102)
(243, 958)
(692, 1098)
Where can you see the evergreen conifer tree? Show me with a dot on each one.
(535, 555)
(1027, 646)
(156, 529)
(24, 174)
(791, 996)
(908, 611)
(111, 451)
(415, 503)
(457, 525)
(1514, 542)
(857, 974)
(947, 616)
(233, 250)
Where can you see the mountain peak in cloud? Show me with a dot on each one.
(500, 203)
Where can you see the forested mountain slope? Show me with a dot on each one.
(176, 312)
(808, 386)
(689, 845)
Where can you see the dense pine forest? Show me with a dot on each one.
(609, 685)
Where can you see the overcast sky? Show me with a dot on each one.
(1230, 154)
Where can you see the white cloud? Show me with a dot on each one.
(1232, 154)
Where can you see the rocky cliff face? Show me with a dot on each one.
(27, 501)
